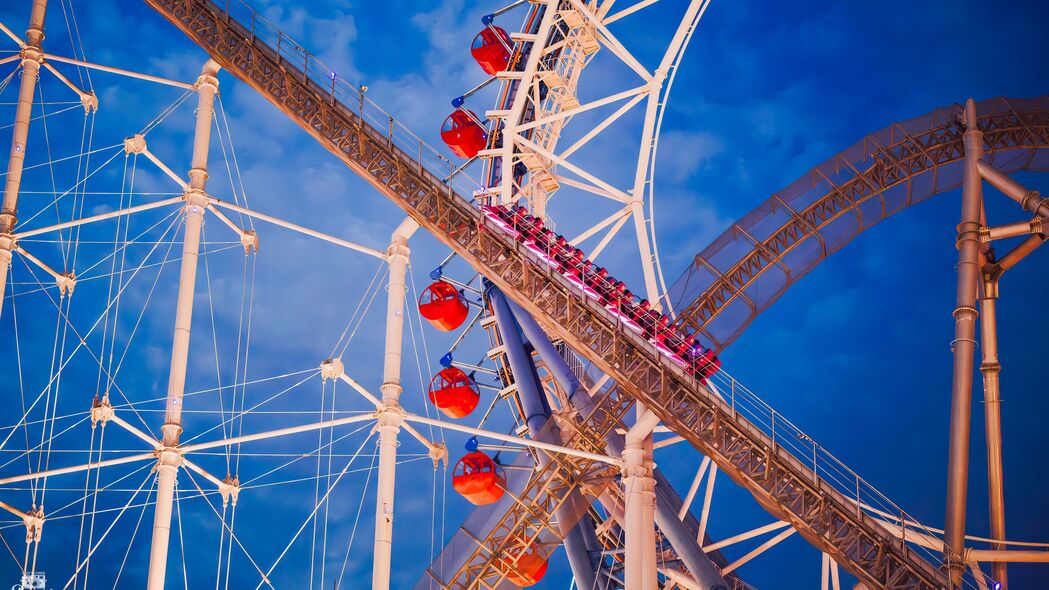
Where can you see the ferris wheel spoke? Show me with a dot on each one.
(607, 6)
(600, 247)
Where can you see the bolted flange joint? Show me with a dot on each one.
(438, 452)
(965, 312)
(8, 219)
(398, 249)
(34, 524)
(196, 201)
(101, 411)
(391, 393)
(31, 55)
(636, 464)
(1033, 201)
(136, 144)
(207, 81)
(992, 368)
(168, 457)
(229, 489)
(389, 417)
(250, 240)
(89, 102)
(66, 283)
(332, 369)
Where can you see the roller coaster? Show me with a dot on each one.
(588, 371)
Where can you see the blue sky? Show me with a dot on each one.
(856, 354)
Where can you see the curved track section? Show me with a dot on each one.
(759, 257)
(796, 481)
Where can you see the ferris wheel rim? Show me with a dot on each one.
(645, 229)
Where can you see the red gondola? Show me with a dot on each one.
(490, 50)
(463, 134)
(454, 392)
(443, 306)
(529, 569)
(478, 479)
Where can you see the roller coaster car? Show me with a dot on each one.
(454, 392)
(546, 241)
(649, 321)
(463, 135)
(558, 246)
(625, 302)
(636, 311)
(509, 216)
(518, 215)
(529, 568)
(478, 479)
(588, 273)
(573, 261)
(678, 344)
(532, 228)
(490, 49)
(612, 292)
(443, 306)
(601, 283)
(662, 329)
(706, 364)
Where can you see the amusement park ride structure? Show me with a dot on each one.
(589, 481)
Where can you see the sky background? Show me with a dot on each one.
(856, 354)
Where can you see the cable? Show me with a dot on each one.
(314, 512)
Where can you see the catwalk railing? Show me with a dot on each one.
(743, 271)
(791, 476)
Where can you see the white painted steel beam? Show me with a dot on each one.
(552, 448)
(196, 201)
(298, 228)
(112, 70)
(32, 56)
(757, 551)
(775, 526)
(100, 217)
(390, 414)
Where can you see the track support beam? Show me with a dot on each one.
(639, 487)
(964, 347)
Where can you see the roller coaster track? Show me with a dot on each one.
(758, 258)
(783, 483)
(609, 535)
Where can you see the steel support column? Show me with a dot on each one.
(390, 415)
(196, 203)
(639, 489)
(537, 414)
(964, 347)
(668, 503)
(32, 57)
(991, 369)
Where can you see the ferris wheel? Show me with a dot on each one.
(273, 409)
